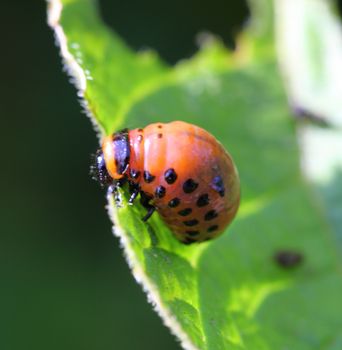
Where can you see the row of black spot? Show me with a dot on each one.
(141, 137)
(196, 233)
(210, 215)
(192, 235)
(160, 135)
(189, 186)
(169, 175)
(202, 201)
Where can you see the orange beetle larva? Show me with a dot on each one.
(179, 170)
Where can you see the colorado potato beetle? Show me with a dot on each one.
(179, 170)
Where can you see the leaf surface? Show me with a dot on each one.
(229, 293)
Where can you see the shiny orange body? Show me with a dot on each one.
(201, 196)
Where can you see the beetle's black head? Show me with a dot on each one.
(98, 169)
(111, 162)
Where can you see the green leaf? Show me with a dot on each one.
(229, 293)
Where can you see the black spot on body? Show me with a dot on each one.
(170, 176)
(160, 191)
(174, 202)
(203, 200)
(189, 186)
(192, 233)
(148, 177)
(288, 259)
(218, 185)
(185, 212)
(160, 136)
(134, 174)
(210, 215)
(212, 228)
(160, 126)
(140, 130)
(192, 222)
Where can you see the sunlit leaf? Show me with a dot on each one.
(231, 293)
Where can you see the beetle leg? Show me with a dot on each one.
(145, 201)
(150, 211)
(113, 190)
(134, 190)
(133, 196)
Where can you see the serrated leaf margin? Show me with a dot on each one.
(78, 78)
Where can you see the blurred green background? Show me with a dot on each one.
(64, 281)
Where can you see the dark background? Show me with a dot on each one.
(64, 283)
